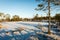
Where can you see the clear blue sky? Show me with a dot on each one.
(23, 8)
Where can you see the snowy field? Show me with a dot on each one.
(21, 30)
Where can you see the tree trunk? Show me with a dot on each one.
(49, 17)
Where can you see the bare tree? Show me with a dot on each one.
(7, 17)
(1, 16)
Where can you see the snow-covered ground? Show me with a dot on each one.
(14, 25)
(24, 29)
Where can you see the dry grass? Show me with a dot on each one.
(1, 26)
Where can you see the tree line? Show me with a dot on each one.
(7, 17)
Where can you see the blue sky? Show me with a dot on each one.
(23, 8)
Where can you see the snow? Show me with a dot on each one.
(17, 25)
(23, 28)
(12, 26)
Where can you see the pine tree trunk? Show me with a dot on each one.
(49, 17)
